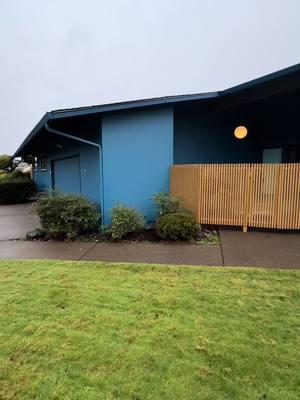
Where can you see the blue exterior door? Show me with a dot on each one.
(66, 175)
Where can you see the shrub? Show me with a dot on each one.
(19, 175)
(66, 216)
(125, 220)
(3, 174)
(166, 203)
(13, 191)
(5, 161)
(178, 225)
(14, 175)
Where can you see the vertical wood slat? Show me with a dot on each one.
(257, 195)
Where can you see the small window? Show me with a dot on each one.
(35, 163)
(272, 155)
(43, 162)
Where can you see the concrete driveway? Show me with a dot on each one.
(16, 220)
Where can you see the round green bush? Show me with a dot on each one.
(19, 175)
(124, 220)
(179, 225)
(66, 216)
(14, 191)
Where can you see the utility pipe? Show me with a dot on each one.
(67, 135)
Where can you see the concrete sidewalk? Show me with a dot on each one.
(261, 249)
(179, 254)
(255, 249)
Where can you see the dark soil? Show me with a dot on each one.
(146, 235)
(207, 235)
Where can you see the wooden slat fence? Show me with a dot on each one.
(256, 195)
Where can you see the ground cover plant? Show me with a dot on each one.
(79, 330)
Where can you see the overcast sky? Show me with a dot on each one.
(68, 53)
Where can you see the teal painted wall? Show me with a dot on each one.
(202, 136)
(139, 146)
(207, 137)
(278, 125)
(57, 147)
(137, 154)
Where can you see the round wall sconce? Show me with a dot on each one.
(240, 132)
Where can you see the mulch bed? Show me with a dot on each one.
(207, 235)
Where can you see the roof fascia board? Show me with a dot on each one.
(261, 80)
(108, 108)
(32, 134)
(131, 105)
(154, 102)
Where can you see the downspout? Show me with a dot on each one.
(100, 161)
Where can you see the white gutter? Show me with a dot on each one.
(100, 161)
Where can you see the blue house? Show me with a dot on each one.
(122, 152)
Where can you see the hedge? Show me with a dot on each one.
(14, 191)
(66, 216)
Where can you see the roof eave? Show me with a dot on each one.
(56, 114)
(137, 104)
(261, 80)
(32, 134)
(60, 114)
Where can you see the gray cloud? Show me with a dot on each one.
(72, 53)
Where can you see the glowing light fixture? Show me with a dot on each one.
(240, 132)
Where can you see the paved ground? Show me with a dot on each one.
(260, 249)
(16, 220)
(267, 249)
(123, 252)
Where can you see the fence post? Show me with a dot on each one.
(247, 197)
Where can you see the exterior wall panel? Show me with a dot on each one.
(89, 166)
(137, 154)
(207, 137)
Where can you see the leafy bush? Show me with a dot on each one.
(5, 161)
(13, 191)
(166, 203)
(15, 175)
(66, 216)
(19, 175)
(178, 225)
(125, 220)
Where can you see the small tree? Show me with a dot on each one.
(5, 161)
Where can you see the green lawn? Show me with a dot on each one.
(75, 330)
